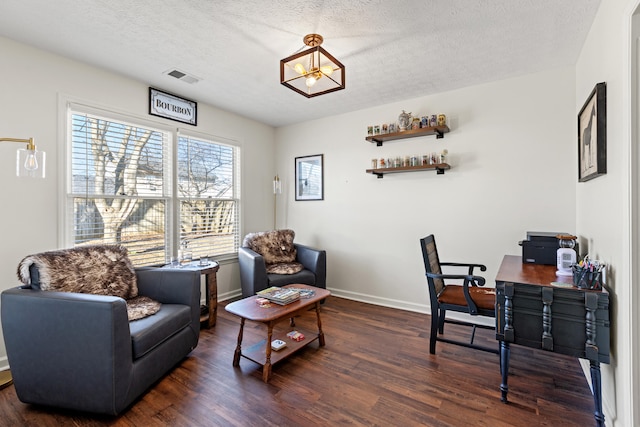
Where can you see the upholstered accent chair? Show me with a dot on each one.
(470, 297)
(77, 347)
(272, 258)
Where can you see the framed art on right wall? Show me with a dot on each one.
(592, 135)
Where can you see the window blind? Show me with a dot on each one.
(207, 190)
(118, 186)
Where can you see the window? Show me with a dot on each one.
(206, 188)
(130, 183)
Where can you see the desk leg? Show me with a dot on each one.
(320, 333)
(238, 352)
(505, 352)
(266, 369)
(597, 393)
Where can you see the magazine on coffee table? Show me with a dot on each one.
(280, 296)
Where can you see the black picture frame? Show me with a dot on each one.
(172, 107)
(309, 172)
(592, 135)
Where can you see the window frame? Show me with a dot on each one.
(171, 195)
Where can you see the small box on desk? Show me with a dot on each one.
(541, 247)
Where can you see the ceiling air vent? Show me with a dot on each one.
(183, 76)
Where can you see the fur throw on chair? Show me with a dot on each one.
(99, 270)
(277, 249)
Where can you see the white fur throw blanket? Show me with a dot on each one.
(99, 270)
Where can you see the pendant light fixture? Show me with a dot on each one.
(312, 72)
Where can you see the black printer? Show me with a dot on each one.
(541, 247)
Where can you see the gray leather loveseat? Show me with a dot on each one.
(80, 351)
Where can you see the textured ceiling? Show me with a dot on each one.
(392, 50)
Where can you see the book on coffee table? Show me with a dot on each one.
(280, 296)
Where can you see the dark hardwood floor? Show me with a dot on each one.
(375, 370)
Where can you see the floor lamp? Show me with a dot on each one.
(29, 163)
(277, 189)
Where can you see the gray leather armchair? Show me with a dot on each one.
(254, 276)
(79, 351)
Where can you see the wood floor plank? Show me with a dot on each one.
(375, 370)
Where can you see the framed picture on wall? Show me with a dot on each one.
(310, 177)
(592, 135)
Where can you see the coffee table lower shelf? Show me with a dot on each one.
(258, 352)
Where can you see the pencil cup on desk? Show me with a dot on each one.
(586, 277)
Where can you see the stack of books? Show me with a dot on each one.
(280, 296)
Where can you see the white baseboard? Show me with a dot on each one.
(408, 306)
(229, 295)
(385, 302)
(4, 363)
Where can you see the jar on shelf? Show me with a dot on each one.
(443, 156)
(404, 120)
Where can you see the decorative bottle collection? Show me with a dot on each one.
(436, 124)
(407, 122)
(405, 161)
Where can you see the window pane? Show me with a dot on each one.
(110, 158)
(209, 227)
(206, 188)
(205, 169)
(114, 167)
(142, 231)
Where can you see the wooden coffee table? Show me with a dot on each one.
(260, 352)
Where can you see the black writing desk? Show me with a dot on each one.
(566, 320)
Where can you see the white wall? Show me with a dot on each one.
(606, 225)
(512, 147)
(31, 84)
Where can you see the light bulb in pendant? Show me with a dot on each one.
(299, 68)
(31, 163)
(310, 81)
(327, 70)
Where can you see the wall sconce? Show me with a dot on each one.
(277, 189)
(29, 162)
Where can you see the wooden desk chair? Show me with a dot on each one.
(469, 297)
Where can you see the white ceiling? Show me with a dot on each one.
(392, 49)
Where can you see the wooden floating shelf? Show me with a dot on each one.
(438, 131)
(438, 167)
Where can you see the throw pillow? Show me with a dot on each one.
(274, 246)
